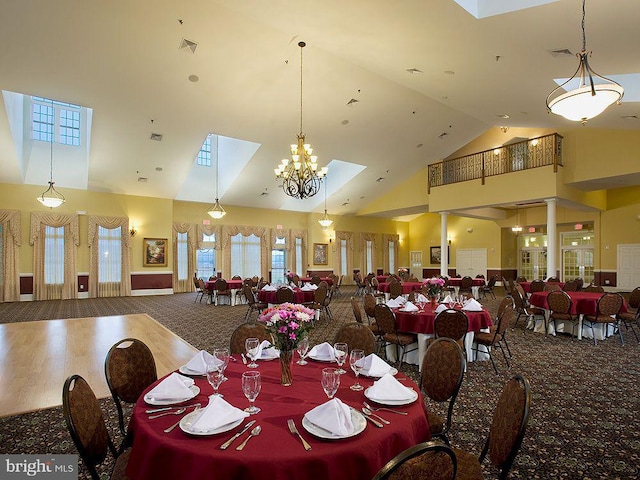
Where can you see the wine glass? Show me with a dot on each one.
(302, 348)
(251, 345)
(341, 350)
(215, 375)
(222, 355)
(251, 385)
(330, 381)
(356, 361)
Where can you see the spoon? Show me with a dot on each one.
(370, 413)
(382, 408)
(177, 412)
(254, 433)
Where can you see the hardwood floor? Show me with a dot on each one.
(37, 357)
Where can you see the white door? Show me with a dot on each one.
(628, 266)
(471, 262)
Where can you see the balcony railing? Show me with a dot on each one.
(533, 153)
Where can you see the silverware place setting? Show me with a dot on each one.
(254, 433)
(226, 444)
(375, 409)
(294, 430)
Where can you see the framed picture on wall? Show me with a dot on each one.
(320, 254)
(436, 256)
(154, 252)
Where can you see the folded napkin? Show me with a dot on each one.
(174, 387)
(198, 364)
(388, 388)
(374, 366)
(441, 308)
(266, 351)
(472, 305)
(269, 288)
(322, 351)
(421, 298)
(393, 303)
(217, 414)
(306, 288)
(333, 416)
(410, 307)
(448, 299)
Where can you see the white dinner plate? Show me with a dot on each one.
(192, 373)
(188, 419)
(407, 401)
(393, 371)
(321, 359)
(195, 390)
(357, 419)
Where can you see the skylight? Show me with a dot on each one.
(490, 8)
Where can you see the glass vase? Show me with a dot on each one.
(286, 359)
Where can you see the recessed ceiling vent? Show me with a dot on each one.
(142, 179)
(188, 46)
(156, 136)
(414, 71)
(561, 52)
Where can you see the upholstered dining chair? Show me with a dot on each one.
(428, 460)
(222, 290)
(570, 286)
(523, 309)
(253, 304)
(369, 303)
(552, 287)
(559, 303)
(609, 306)
(315, 279)
(487, 289)
(199, 292)
(593, 288)
(204, 290)
(129, 368)
(537, 285)
(580, 282)
(453, 324)
(386, 321)
(510, 419)
(357, 313)
(395, 289)
(495, 337)
(284, 295)
(356, 335)
(360, 285)
(319, 297)
(86, 425)
(440, 379)
(465, 286)
(247, 330)
(521, 279)
(632, 315)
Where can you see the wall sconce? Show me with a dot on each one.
(449, 240)
(133, 231)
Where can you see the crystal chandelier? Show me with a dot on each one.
(300, 175)
(216, 211)
(51, 197)
(589, 99)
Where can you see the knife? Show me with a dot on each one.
(226, 444)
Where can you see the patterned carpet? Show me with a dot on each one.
(583, 425)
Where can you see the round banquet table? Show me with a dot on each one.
(275, 453)
(299, 296)
(407, 287)
(329, 280)
(526, 286)
(421, 323)
(233, 285)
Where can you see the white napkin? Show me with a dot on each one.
(388, 388)
(472, 305)
(174, 387)
(306, 288)
(323, 351)
(198, 364)
(441, 308)
(410, 307)
(333, 416)
(269, 288)
(217, 414)
(393, 303)
(421, 298)
(448, 299)
(374, 366)
(266, 351)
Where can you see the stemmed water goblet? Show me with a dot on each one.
(251, 385)
(252, 345)
(302, 349)
(215, 375)
(340, 350)
(222, 355)
(330, 381)
(356, 361)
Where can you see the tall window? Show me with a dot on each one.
(245, 255)
(369, 256)
(343, 256)
(392, 256)
(110, 256)
(183, 256)
(278, 266)
(298, 268)
(54, 255)
(206, 257)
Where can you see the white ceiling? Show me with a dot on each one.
(122, 59)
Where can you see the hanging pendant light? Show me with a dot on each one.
(517, 228)
(216, 211)
(51, 197)
(300, 175)
(325, 221)
(590, 99)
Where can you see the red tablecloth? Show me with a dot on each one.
(275, 453)
(382, 278)
(324, 279)
(457, 281)
(231, 284)
(422, 321)
(526, 286)
(407, 287)
(299, 296)
(581, 302)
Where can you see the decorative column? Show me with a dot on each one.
(444, 252)
(552, 241)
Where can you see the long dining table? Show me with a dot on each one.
(421, 323)
(582, 303)
(275, 454)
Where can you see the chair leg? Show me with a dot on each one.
(492, 362)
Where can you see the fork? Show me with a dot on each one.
(177, 412)
(294, 431)
(384, 408)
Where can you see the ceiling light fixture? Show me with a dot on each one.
(589, 99)
(300, 175)
(325, 221)
(517, 228)
(216, 211)
(51, 197)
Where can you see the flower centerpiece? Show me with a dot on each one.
(288, 323)
(434, 288)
